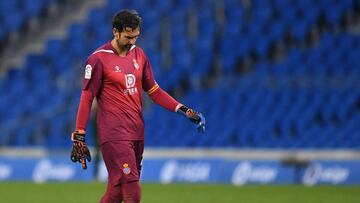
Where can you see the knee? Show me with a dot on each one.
(131, 192)
(112, 195)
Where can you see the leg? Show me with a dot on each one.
(122, 165)
(132, 192)
(139, 150)
(113, 194)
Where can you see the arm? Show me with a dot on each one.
(162, 98)
(91, 85)
(84, 110)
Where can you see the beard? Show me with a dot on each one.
(128, 47)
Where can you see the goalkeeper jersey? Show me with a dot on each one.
(117, 83)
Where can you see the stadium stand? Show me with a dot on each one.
(14, 15)
(220, 60)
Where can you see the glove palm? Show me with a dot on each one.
(80, 152)
(194, 117)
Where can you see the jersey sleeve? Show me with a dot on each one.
(93, 75)
(162, 98)
(155, 92)
(148, 80)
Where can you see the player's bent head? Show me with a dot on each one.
(125, 19)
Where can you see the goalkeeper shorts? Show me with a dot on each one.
(123, 160)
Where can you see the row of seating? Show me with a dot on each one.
(300, 101)
(319, 61)
(258, 116)
(271, 22)
(14, 14)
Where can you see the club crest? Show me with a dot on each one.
(126, 170)
(136, 65)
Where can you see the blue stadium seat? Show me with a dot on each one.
(14, 15)
(14, 20)
(33, 8)
(307, 99)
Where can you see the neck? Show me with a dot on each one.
(120, 50)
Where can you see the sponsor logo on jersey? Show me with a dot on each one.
(126, 170)
(88, 69)
(130, 84)
(130, 80)
(117, 69)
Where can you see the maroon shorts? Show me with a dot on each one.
(123, 160)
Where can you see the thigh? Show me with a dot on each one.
(121, 161)
(139, 150)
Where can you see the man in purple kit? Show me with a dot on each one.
(116, 74)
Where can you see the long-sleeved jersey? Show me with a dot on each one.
(117, 83)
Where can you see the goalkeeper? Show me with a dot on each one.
(116, 74)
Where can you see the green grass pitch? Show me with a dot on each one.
(26, 192)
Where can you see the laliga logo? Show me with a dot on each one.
(44, 171)
(245, 172)
(187, 172)
(317, 173)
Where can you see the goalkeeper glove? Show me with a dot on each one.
(194, 117)
(80, 152)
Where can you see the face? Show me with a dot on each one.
(127, 38)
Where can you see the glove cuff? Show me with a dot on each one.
(183, 110)
(189, 113)
(78, 135)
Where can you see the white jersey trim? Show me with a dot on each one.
(178, 107)
(132, 47)
(104, 50)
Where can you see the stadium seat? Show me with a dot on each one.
(306, 99)
(14, 15)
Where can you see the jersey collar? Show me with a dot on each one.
(109, 46)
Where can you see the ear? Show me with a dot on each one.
(116, 33)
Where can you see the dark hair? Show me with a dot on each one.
(126, 18)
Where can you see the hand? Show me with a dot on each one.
(194, 117)
(80, 152)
